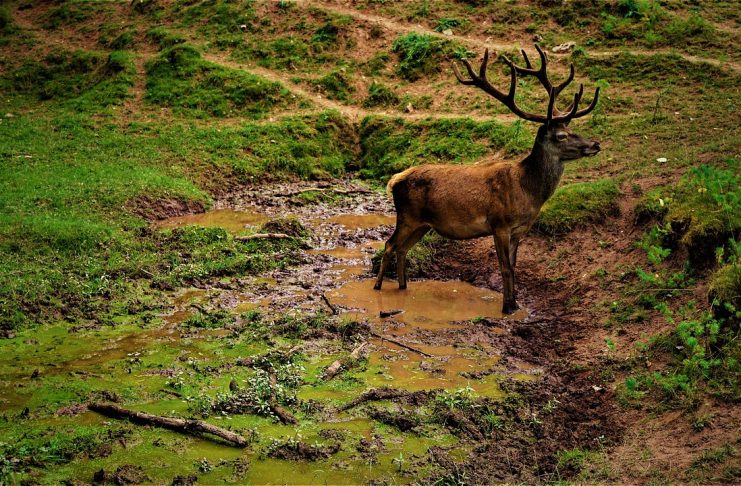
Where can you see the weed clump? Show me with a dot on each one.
(180, 78)
(164, 38)
(576, 204)
(336, 85)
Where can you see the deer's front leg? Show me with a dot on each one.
(502, 243)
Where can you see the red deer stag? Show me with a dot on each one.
(497, 198)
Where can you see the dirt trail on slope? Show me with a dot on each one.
(487, 43)
(355, 113)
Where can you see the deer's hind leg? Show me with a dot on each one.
(401, 234)
(401, 254)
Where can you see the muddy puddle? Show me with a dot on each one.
(160, 368)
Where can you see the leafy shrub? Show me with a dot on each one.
(576, 204)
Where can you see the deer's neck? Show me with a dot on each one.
(542, 171)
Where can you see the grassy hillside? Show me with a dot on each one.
(115, 115)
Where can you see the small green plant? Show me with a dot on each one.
(380, 95)
(578, 204)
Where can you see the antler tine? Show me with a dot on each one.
(571, 112)
(561, 86)
(589, 108)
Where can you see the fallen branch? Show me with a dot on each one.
(263, 236)
(323, 189)
(400, 344)
(284, 415)
(376, 394)
(192, 427)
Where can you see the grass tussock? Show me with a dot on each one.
(577, 204)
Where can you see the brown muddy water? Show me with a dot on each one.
(344, 238)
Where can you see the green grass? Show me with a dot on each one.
(575, 205)
(380, 95)
(181, 79)
(392, 145)
(84, 80)
(422, 55)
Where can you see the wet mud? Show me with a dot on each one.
(455, 361)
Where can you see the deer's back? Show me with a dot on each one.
(463, 201)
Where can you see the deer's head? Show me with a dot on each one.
(554, 136)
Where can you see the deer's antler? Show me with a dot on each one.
(553, 115)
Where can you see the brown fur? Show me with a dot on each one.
(498, 198)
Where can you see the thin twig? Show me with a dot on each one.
(400, 344)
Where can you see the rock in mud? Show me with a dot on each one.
(289, 226)
(129, 474)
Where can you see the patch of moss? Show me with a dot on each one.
(335, 85)
(422, 54)
(701, 212)
(577, 204)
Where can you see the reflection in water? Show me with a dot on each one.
(427, 306)
(229, 219)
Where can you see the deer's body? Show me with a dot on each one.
(499, 198)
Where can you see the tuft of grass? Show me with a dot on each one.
(577, 204)
(336, 85)
(164, 38)
(423, 55)
(421, 259)
(725, 285)
(380, 95)
(181, 79)
(392, 145)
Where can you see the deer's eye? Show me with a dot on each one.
(561, 136)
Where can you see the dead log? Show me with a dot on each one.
(191, 427)
(389, 313)
(263, 236)
(333, 369)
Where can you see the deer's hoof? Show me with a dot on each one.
(402, 287)
(510, 308)
(377, 287)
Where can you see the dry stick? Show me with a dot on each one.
(329, 304)
(400, 344)
(263, 236)
(192, 427)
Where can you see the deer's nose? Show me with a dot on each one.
(595, 146)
